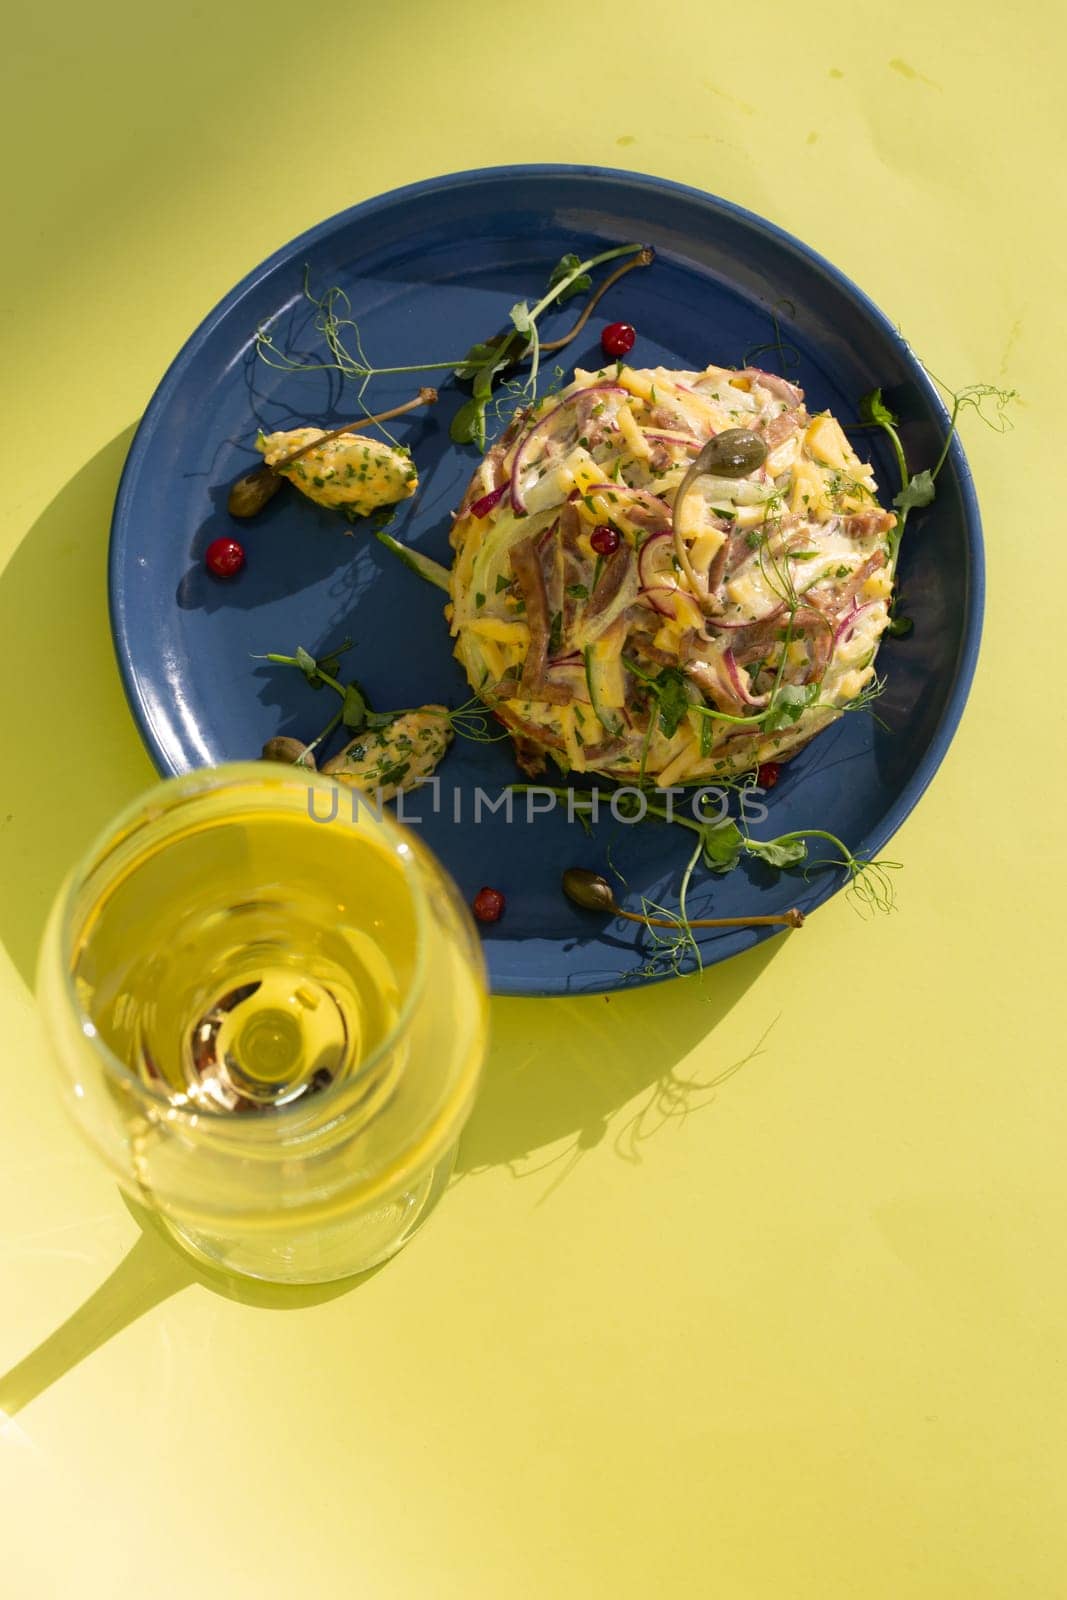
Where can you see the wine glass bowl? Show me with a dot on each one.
(267, 1006)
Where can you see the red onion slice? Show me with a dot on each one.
(651, 565)
(738, 684)
(848, 622)
(669, 600)
(482, 507)
(523, 447)
(658, 596)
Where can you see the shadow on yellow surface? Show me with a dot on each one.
(73, 757)
(79, 760)
(531, 1099)
(151, 1272)
(537, 1093)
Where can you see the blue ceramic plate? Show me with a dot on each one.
(430, 269)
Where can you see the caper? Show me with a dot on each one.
(252, 492)
(291, 751)
(733, 454)
(594, 893)
(588, 889)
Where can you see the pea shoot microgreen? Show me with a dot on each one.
(468, 721)
(487, 360)
(721, 845)
(484, 364)
(787, 353)
(672, 947)
(917, 489)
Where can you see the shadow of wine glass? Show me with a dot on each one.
(153, 1270)
(65, 713)
(528, 1104)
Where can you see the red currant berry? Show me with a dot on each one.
(604, 540)
(617, 339)
(768, 774)
(488, 905)
(224, 557)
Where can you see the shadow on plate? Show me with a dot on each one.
(297, 544)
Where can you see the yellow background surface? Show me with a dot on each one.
(790, 1332)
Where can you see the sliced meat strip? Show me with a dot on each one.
(594, 429)
(551, 556)
(576, 573)
(531, 731)
(529, 756)
(612, 578)
(833, 599)
(641, 641)
(604, 750)
(869, 524)
(820, 642)
(712, 679)
(779, 428)
(726, 558)
(753, 644)
(531, 581)
(670, 419)
(781, 388)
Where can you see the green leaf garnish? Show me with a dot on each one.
(721, 845)
(788, 705)
(568, 271)
(487, 360)
(331, 663)
(668, 689)
(520, 317)
(784, 852)
(469, 721)
(308, 666)
(468, 424)
(918, 491)
(874, 410)
(477, 357)
(354, 708)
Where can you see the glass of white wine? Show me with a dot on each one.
(267, 1003)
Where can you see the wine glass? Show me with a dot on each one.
(268, 1009)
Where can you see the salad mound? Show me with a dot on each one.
(618, 638)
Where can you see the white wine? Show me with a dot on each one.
(244, 964)
(272, 1024)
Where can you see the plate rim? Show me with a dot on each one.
(119, 552)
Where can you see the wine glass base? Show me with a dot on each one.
(343, 1247)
